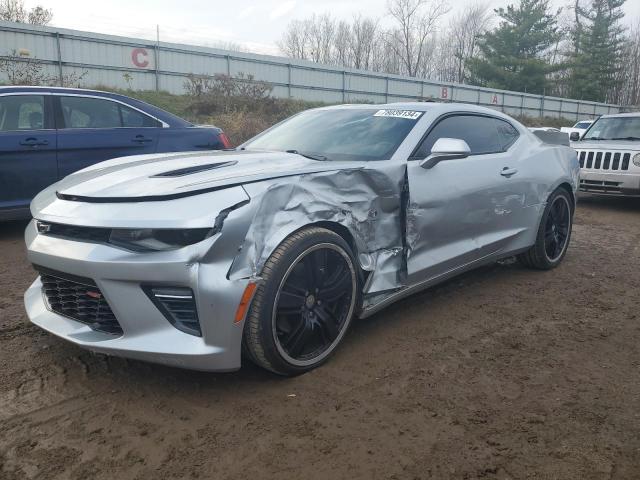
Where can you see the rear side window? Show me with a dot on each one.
(133, 118)
(83, 112)
(480, 133)
(21, 112)
(507, 134)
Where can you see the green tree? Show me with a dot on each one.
(513, 56)
(598, 49)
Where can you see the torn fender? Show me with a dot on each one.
(367, 201)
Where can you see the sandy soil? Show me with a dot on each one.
(502, 373)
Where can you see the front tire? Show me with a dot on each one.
(305, 304)
(554, 233)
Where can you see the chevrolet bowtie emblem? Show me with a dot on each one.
(43, 227)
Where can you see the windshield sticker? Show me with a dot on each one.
(408, 114)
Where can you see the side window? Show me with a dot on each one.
(84, 112)
(479, 133)
(133, 118)
(21, 112)
(507, 133)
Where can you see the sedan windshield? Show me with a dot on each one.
(615, 128)
(340, 134)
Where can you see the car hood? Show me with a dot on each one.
(166, 176)
(625, 145)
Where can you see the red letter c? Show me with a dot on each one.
(136, 53)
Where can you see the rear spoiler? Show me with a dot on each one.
(554, 138)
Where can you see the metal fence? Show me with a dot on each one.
(142, 65)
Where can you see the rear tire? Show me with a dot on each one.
(554, 233)
(305, 304)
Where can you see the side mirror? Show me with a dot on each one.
(574, 137)
(446, 149)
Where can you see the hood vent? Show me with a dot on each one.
(181, 172)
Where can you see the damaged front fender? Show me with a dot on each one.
(366, 201)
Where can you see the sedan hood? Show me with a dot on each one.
(166, 176)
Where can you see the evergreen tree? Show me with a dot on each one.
(598, 48)
(513, 55)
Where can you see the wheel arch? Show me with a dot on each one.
(567, 187)
(346, 235)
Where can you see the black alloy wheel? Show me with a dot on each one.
(313, 303)
(309, 294)
(556, 232)
(553, 234)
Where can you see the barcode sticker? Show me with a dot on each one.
(408, 114)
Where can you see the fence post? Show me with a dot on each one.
(344, 85)
(289, 79)
(522, 105)
(560, 112)
(542, 107)
(157, 62)
(60, 75)
(156, 55)
(386, 91)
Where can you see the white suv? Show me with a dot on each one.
(609, 155)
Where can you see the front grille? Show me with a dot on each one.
(600, 186)
(73, 232)
(78, 298)
(612, 161)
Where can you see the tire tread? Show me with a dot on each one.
(253, 325)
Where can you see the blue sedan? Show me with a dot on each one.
(48, 133)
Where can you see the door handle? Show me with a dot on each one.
(508, 172)
(141, 139)
(33, 142)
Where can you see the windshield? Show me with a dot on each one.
(340, 134)
(615, 128)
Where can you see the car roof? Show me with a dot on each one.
(439, 107)
(169, 118)
(621, 115)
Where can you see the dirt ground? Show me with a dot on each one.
(502, 373)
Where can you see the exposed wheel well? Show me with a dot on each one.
(348, 237)
(567, 187)
(340, 230)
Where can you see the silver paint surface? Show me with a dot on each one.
(409, 227)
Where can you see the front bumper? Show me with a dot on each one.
(623, 184)
(147, 334)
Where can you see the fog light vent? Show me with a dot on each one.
(178, 305)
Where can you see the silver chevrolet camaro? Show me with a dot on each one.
(270, 250)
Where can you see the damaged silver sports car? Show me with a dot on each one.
(269, 251)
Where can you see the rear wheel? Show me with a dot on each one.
(554, 233)
(303, 308)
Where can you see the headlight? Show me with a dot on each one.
(157, 240)
(636, 160)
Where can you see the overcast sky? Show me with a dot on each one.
(254, 24)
